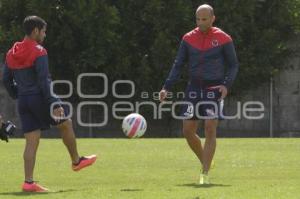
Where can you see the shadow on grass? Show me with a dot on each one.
(129, 190)
(195, 185)
(21, 193)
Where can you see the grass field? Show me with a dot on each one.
(158, 168)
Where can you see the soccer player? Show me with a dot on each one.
(207, 50)
(26, 78)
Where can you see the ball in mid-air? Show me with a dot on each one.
(134, 125)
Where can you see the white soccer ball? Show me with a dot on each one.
(134, 125)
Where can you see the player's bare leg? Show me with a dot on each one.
(210, 127)
(31, 146)
(69, 139)
(190, 133)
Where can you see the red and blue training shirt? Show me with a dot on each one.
(207, 54)
(26, 71)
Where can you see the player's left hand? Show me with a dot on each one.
(58, 113)
(223, 90)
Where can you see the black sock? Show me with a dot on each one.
(29, 182)
(81, 158)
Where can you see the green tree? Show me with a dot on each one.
(138, 40)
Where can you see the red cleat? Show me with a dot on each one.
(84, 161)
(33, 187)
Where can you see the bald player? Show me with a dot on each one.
(208, 50)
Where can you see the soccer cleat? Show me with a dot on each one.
(204, 179)
(33, 187)
(84, 161)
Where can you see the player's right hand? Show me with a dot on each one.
(162, 95)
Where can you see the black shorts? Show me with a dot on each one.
(202, 103)
(35, 113)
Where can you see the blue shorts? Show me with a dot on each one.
(35, 113)
(202, 103)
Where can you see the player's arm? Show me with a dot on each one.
(9, 82)
(44, 80)
(175, 71)
(232, 62)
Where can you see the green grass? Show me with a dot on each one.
(158, 168)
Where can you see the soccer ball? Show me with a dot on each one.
(134, 125)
